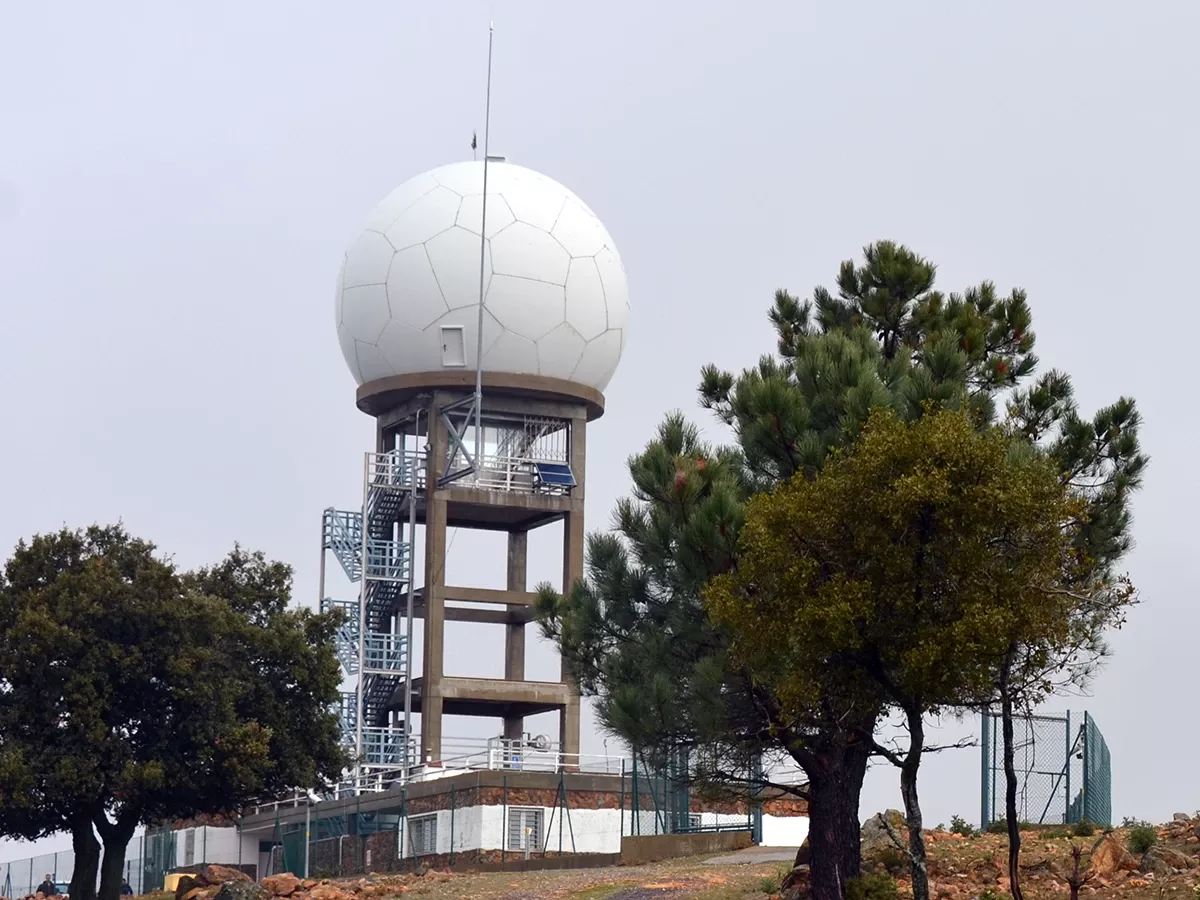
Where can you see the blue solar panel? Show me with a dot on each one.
(556, 474)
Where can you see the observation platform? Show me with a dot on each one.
(518, 611)
(497, 507)
(490, 697)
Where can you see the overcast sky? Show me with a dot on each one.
(177, 187)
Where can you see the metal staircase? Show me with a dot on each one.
(373, 547)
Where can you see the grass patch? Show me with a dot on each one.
(600, 891)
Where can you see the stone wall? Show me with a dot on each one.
(636, 851)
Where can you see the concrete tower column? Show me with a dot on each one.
(434, 593)
(573, 547)
(514, 631)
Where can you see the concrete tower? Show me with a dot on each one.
(554, 317)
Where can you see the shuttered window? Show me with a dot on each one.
(189, 847)
(422, 835)
(524, 829)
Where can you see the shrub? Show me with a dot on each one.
(1142, 838)
(871, 887)
(1083, 828)
(959, 825)
(892, 860)
(1000, 826)
(1055, 834)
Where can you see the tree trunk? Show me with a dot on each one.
(835, 836)
(87, 859)
(1010, 780)
(112, 868)
(912, 806)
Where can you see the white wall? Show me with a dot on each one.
(594, 830)
(216, 845)
(784, 831)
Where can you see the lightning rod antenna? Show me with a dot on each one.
(487, 121)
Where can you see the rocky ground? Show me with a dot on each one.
(965, 867)
(961, 867)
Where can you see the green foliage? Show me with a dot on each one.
(959, 825)
(1142, 838)
(769, 884)
(1083, 828)
(892, 860)
(999, 826)
(635, 632)
(872, 887)
(1130, 822)
(134, 694)
(895, 574)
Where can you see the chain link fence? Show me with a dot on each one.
(1064, 771)
(145, 865)
(505, 826)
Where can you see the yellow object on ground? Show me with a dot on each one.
(171, 881)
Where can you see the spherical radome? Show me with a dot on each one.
(555, 297)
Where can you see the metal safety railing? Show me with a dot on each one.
(387, 559)
(396, 469)
(515, 474)
(384, 652)
(342, 533)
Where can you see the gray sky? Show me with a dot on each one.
(177, 188)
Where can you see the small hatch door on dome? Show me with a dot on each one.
(454, 347)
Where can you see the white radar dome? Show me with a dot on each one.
(555, 298)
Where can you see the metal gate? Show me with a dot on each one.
(1064, 770)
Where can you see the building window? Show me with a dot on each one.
(422, 835)
(694, 821)
(189, 847)
(524, 829)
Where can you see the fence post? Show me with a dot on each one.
(401, 826)
(635, 811)
(622, 831)
(504, 822)
(1087, 751)
(985, 771)
(307, 832)
(1067, 767)
(358, 833)
(453, 803)
(562, 795)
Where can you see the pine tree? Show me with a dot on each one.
(635, 632)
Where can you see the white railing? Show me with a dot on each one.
(465, 755)
(516, 474)
(396, 469)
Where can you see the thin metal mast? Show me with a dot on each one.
(487, 121)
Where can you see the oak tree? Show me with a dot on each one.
(132, 694)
